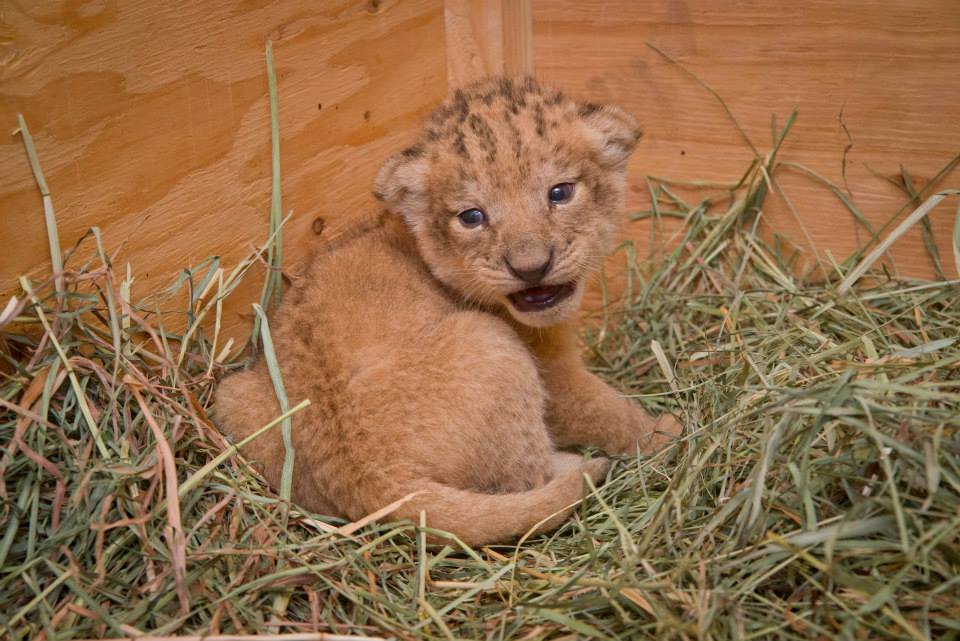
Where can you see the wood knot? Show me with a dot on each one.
(318, 225)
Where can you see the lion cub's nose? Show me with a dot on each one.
(530, 266)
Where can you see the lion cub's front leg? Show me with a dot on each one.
(583, 410)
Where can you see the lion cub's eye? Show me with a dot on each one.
(561, 193)
(472, 217)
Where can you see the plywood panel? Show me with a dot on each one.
(473, 30)
(892, 68)
(151, 121)
(487, 38)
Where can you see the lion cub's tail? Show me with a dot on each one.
(478, 519)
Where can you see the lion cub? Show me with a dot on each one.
(436, 341)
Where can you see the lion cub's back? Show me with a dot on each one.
(362, 301)
(367, 295)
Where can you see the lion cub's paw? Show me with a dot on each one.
(666, 429)
(650, 433)
(596, 469)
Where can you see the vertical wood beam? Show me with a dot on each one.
(517, 37)
(487, 38)
(473, 30)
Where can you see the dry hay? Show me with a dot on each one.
(814, 495)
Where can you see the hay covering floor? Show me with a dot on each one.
(816, 493)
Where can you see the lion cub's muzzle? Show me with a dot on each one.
(531, 269)
(541, 297)
(532, 265)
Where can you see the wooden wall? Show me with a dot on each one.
(891, 68)
(151, 120)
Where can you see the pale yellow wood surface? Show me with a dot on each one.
(151, 121)
(474, 38)
(518, 37)
(487, 38)
(893, 68)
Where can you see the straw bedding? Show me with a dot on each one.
(816, 493)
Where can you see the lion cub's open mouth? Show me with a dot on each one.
(536, 299)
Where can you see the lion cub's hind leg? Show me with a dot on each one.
(460, 402)
(566, 461)
(245, 402)
(457, 413)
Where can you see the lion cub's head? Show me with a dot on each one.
(514, 193)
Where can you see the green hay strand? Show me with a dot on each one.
(273, 279)
(53, 236)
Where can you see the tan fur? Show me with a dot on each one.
(421, 373)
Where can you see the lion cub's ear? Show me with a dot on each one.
(401, 185)
(612, 131)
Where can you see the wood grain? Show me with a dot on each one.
(891, 69)
(151, 122)
(473, 30)
(518, 37)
